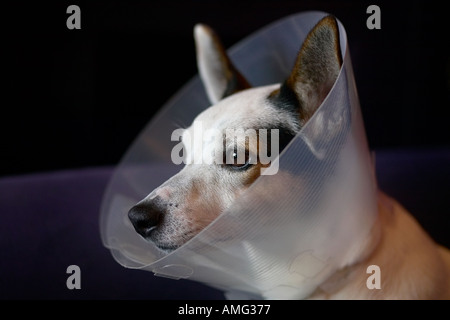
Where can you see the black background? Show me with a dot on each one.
(78, 98)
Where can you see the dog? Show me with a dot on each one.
(413, 265)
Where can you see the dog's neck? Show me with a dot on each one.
(354, 272)
(395, 234)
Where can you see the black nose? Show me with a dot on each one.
(145, 217)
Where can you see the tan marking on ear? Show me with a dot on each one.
(317, 67)
(274, 93)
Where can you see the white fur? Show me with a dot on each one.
(207, 56)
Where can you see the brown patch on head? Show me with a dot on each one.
(252, 173)
(264, 145)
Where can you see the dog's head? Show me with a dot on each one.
(233, 142)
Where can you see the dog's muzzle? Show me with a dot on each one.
(145, 217)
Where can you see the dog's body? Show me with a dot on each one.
(412, 265)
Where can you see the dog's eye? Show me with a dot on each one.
(237, 161)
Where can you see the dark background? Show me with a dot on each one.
(78, 98)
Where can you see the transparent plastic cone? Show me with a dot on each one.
(278, 239)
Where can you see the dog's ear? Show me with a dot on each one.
(217, 72)
(316, 69)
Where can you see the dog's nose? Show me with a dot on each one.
(145, 217)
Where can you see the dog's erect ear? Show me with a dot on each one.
(218, 74)
(316, 69)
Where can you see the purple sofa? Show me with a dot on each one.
(50, 221)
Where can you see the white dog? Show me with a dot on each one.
(413, 265)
